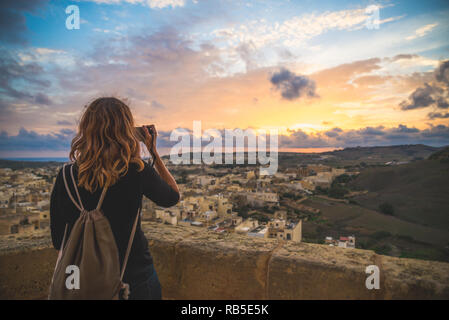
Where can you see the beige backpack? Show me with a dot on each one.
(90, 254)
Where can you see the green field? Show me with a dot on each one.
(376, 231)
(418, 191)
(417, 224)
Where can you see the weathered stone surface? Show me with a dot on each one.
(309, 271)
(222, 269)
(415, 279)
(27, 274)
(20, 242)
(162, 241)
(193, 263)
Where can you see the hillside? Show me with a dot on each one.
(399, 152)
(359, 155)
(441, 155)
(418, 191)
(379, 155)
(385, 234)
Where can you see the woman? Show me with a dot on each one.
(106, 150)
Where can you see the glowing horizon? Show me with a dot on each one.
(317, 72)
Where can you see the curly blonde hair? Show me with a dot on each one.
(106, 143)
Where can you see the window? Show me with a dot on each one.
(15, 228)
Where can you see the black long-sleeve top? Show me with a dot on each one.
(120, 206)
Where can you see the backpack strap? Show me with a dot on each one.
(76, 188)
(63, 243)
(103, 193)
(130, 242)
(100, 202)
(68, 190)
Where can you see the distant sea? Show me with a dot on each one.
(165, 151)
(39, 159)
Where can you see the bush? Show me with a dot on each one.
(244, 215)
(344, 178)
(406, 238)
(386, 208)
(337, 192)
(243, 212)
(321, 190)
(384, 249)
(288, 195)
(381, 235)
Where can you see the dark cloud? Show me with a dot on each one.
(442, 72)
(370, 131)
(31, 141)
(64, 123)
(433, 94)
(157, 105)
(12, 19)
(17, 80)
(442, 103)
(369, 136)
(404, 129)
(420, 98)
(438, 115)
(293, 86)
(42, 98)
(333, 132)
(300, 139)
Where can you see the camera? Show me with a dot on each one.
(141, 132)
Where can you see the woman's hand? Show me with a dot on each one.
(150, 141)
(158, 163)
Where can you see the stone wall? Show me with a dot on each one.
(193, 263)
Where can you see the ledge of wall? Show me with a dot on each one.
(193, 263)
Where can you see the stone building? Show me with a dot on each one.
(282, 230)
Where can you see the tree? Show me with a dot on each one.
(242, 214)
(386, 208)
(343, 178)
(336, 191)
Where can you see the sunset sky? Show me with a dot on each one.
(316, 70)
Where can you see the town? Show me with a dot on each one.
(223, 199)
